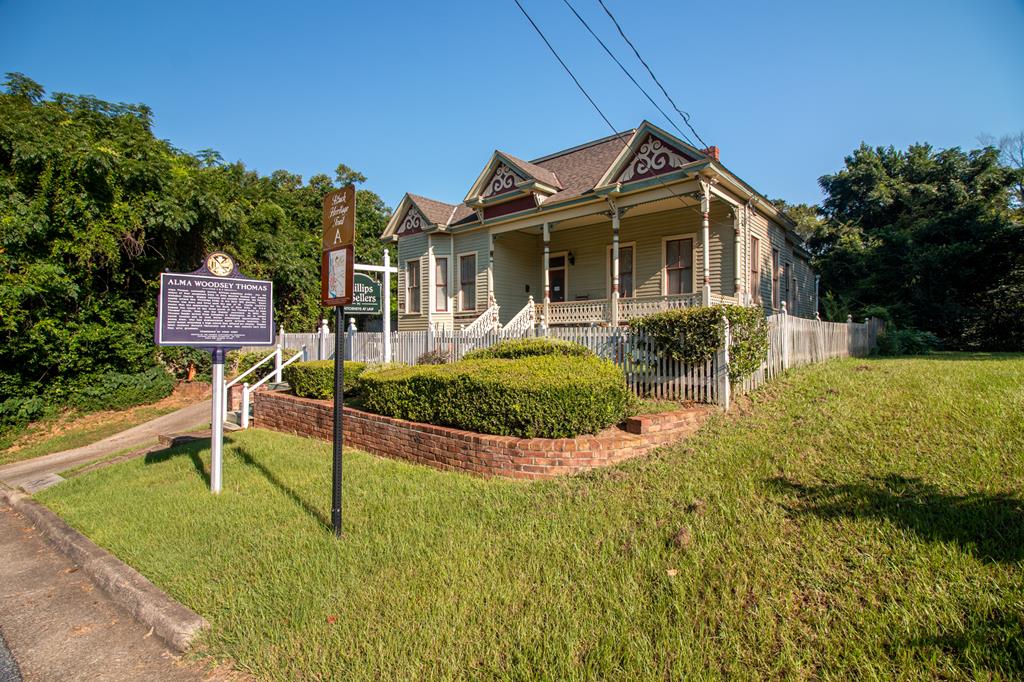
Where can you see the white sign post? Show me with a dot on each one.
(387, 271)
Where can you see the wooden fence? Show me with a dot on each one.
(792, 342)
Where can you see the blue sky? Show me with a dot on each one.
(417, 94)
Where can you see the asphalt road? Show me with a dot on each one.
(8, 666)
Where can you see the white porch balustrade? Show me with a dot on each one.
(598, 311)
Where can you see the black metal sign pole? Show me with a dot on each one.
(339, 398)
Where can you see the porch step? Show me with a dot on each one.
(233, 420)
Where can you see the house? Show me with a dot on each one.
(599, 233)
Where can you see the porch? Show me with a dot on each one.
(603, 269)
(567, 313)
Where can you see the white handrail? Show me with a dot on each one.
(247, 389)
(524, 320)
(483, 324)
(251, 369)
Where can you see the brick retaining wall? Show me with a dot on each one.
(451, 449)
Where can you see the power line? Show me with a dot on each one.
(590, 99)
(628, 74)
(564, 66)
(686, 116)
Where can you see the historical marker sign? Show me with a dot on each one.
(366, 296)
(210, 310)
(218, 309)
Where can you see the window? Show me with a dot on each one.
(441, 285)
(626, 263)
(678, 266)
(467, 282)
(787, 286)
(775, 278)
(412, 286)
(755, 269)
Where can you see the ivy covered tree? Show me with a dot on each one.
(93, 207)
(929, 238)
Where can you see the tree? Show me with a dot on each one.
(926, 234)
(93, 207)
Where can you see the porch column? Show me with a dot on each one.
(737, 253)
(490, 269)
(615, 264)
(547, 279)
(705, 238)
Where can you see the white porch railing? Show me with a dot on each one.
(248, 390)
(524, 321)
(638, 307)
(598, 311)
(488, 321)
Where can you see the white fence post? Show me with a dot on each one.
(277, 364)
(722, 362)
(321, 351)
(386, 310)
(244, 421)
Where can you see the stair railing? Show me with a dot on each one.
(248, 390)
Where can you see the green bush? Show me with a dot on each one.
(512, 349)
(693, 335)
(114, 390)
(237, 362)
(177, 359)
(545, 397)
(893, 341)
(434, 357)
(18, 412)
(315, 379)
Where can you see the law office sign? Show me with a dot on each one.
(366, 296)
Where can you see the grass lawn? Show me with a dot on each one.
(860, 519)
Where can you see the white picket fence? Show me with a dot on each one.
(792, 342)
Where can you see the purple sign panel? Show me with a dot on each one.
(209, 311)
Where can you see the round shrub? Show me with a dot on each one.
(512, 349)
(533, 397)
(315, 379)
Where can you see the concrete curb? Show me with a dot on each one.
(171, 621)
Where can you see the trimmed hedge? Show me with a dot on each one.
(692, 335)
(512, 349)
(533, 397)
(315, 379)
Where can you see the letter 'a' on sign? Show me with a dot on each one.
(336, 267)
(339, 218)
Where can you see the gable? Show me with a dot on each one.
(502, 181)
(412, 223)
(653, 157)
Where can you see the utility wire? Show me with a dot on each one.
(564, 66)
(686, 116)
(590, 99)
(628, 74)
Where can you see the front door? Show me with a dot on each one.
(556, 278)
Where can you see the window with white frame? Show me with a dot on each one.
(467, 282)
(755, 269)
(412, 286)
(627, 264)
(441, 285)
(679, 266)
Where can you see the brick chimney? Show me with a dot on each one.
(711, 151)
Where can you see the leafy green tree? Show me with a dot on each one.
(929, 235)
(93, 207)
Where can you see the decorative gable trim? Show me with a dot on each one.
(412, 223)
(503, 180)
(653, 158)
(406, 220)
(650, 152)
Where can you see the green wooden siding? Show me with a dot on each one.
(518, 264)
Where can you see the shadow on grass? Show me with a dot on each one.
(992, 638)
(290, 493)
(989, 526)
(190, 450)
